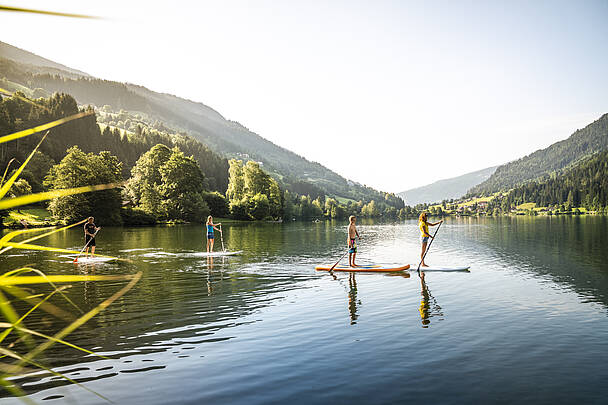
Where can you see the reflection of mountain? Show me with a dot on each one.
(570, 250)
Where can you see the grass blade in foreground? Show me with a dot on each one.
(32, 131)
(49, 195)
(55, 13)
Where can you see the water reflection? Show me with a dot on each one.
(428, 304)
(90, 293)
(571, 250)
(217, 309)
(352, 298)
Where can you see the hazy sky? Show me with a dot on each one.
(392, 94)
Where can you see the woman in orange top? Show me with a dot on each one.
(423, 224)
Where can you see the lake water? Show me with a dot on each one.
(527, 324)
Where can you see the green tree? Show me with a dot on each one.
(218, 204)
(79, 169)
(236, 180)
(370, 209)
(181, 189)
(19, 188)
(143, 186)
(246, 186)
(259, 206)
(168, 185)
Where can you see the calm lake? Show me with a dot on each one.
(527, 324)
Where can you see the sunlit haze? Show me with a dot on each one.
(390, 94)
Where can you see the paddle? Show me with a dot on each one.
(341, 257)
(222, 239)
(428, 247)
(85, 246)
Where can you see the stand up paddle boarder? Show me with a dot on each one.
(352, 241)
(424, 224)
(210, 227)
(90, 230)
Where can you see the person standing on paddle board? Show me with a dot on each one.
(89, 236)
(424, 224)
(352, 241)
(210, 227)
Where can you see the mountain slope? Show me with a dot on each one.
(446, 189)
(19, 55)
(583, 184)
(228, 138)
(593, 138)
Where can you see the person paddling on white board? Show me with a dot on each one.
(352, 241)
(424, 224)
(90, 230)
(210, 233)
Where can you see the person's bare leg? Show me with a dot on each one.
(354, 255)
(212, 242)
(92, 251)
(423, 264)
(86, 252)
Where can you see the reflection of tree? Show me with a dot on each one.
(428, 305)
(352, 299)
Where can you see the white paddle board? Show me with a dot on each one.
(413, 267)
(94, 259)
(211, 254)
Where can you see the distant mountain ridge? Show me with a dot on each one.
(446, 189)
(19, 55)
(560, 155)
(228, 138)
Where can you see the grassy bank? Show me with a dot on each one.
(31, 216)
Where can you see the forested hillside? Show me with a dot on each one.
(584, 185)
(17, 114)
(227, 138)
(593, 138)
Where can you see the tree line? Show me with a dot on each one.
(229, 138)
(17, 114)
(591, 139)
(168, 176)
(584, 185)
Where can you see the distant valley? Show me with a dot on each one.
(446, 189)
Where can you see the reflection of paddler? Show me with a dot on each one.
(89, 287)
(352, 298)
(424, 303)
(210, 268)
(428, 305)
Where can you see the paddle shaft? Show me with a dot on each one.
(428, 247)
(222, 239)
(341, 257)
(86, 244)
